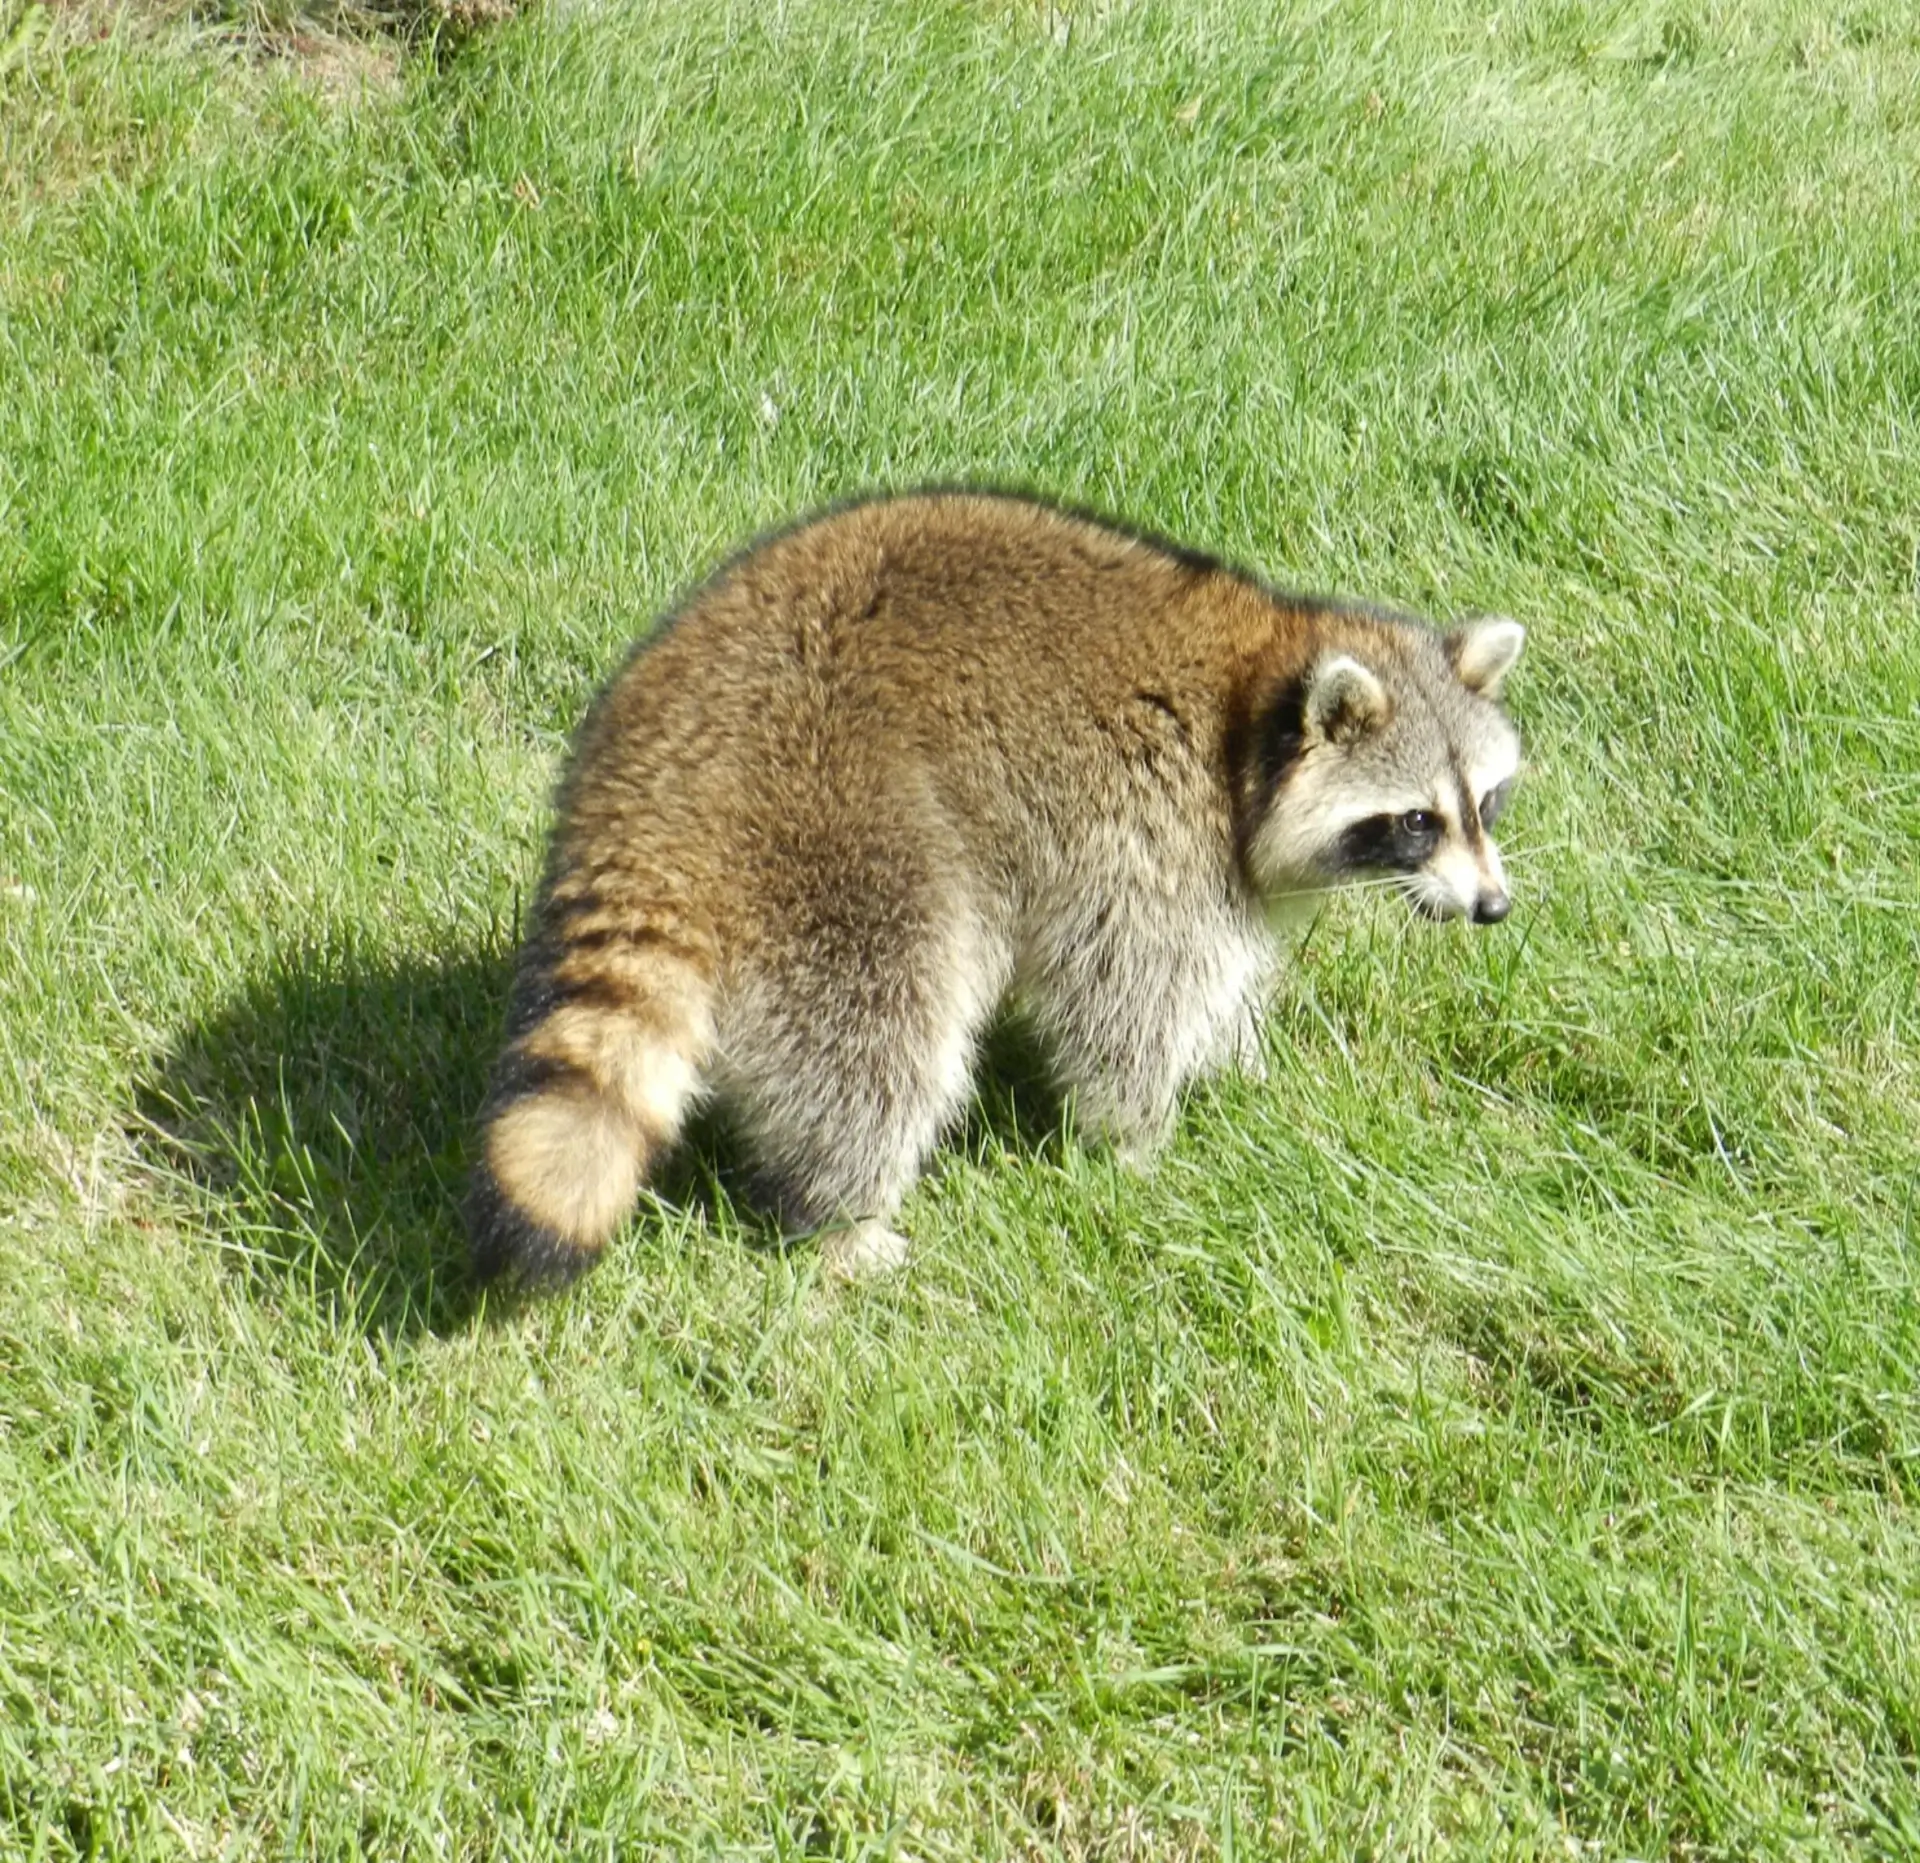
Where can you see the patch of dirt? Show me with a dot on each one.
(345, 50)
(342, 69)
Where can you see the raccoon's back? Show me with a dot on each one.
(985, 638)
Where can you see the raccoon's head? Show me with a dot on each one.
(1389, 759)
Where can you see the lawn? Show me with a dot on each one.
(1497, 1433)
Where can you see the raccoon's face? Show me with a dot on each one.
(1391, 761)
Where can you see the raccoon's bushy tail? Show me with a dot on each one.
(607, 1038)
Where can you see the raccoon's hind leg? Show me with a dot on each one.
(844, 1053)
(608, 1029)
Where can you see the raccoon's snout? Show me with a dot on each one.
(1440, 894)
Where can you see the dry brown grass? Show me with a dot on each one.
(344, 41)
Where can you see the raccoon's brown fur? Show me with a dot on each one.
(909, 762)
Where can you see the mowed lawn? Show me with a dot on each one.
(1495, 1434)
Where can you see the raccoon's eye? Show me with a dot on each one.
(1420, 824)
(1493, 802)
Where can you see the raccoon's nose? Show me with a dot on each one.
(1491, 908)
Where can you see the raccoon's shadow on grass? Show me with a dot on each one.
(325, 1116)
(1015, 1107)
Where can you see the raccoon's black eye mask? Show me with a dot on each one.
(1387, 843)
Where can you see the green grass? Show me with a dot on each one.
(1495, 1435)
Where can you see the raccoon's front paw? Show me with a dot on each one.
(1137, 1148)
(1134, 1128)
(863, 1252)
(1137, 1157)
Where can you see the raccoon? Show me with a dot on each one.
(924, 759)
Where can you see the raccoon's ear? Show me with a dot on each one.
(1483, 653)
(1344, 701)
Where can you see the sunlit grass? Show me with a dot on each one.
(1495, 1431)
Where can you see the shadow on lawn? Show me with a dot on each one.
(326, 1111)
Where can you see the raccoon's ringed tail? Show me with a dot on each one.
(584, 1103)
